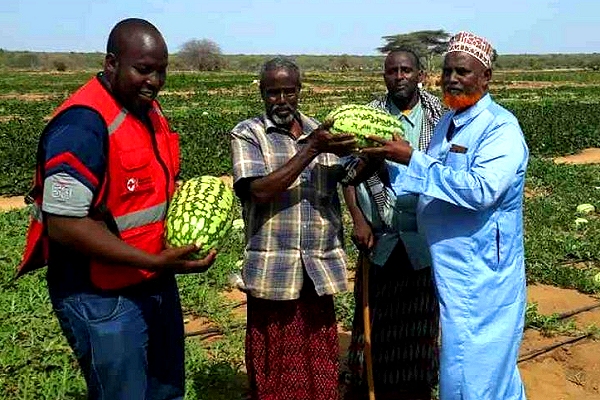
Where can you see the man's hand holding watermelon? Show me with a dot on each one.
(177, 259)
(323, 141)
(397, 149)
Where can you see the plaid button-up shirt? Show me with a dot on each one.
(302, 228)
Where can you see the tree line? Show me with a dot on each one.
(206, 55)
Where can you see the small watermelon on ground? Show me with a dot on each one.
(201, 212)
(363, 120)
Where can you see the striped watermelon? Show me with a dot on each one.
(200, 212)
(362, 120)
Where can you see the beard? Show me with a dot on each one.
(279, 120)
(282, 121)
(461, 101)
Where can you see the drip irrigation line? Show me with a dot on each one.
(576, 311)
(212, 331)
(534, 353)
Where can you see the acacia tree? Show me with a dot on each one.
(343, 62)
(203, 55)
(426, 44)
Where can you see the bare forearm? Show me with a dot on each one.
(353, 209)
(267, 188)
(362, 234)
(94, 239)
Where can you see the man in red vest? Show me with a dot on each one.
(106, 169)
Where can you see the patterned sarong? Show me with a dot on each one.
(292, 348)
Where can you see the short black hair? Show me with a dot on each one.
(409, 50)
(279, 62)
(124, 28)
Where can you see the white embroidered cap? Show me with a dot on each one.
(474, 45)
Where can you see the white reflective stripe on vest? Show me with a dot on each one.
(114, 125)
(142, 217)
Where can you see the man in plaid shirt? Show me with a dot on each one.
(286, 174)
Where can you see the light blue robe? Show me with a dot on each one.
(471, 212)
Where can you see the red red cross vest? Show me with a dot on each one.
(134, 194)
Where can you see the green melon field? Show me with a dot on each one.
(559, 112)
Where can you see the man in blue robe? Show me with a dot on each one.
(470, 184)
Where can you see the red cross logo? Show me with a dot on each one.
(131, 184)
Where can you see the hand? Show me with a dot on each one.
(175, 258)
(397, 149)
(362, 236)
(323, 141)
(365, 166)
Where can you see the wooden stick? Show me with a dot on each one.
(364, 263)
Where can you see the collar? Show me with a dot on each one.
(307, 124)
(473, 111)
(144, 117)
(411, 115)
(394, 110)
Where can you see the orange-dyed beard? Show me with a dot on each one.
(461, 101)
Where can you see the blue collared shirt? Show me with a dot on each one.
(412, 122)
(399, 221)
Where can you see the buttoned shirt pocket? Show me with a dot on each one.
(458, 161)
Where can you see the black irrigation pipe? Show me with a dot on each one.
(576, 311)
(534, 353)
(571, 313)
(210, 335)
(240, 304)
(210, 332)
(206, 331)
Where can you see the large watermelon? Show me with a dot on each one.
(200, 212)
(362, 120)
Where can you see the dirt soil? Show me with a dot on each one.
(506, 84)
(587, 156)
(27, 96)
(568, 372)
(9, 203)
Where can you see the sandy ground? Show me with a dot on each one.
(568, 372)
(9, 203)
(587, 156)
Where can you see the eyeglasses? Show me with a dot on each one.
(287, 93)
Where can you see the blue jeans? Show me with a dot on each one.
(130, 345)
